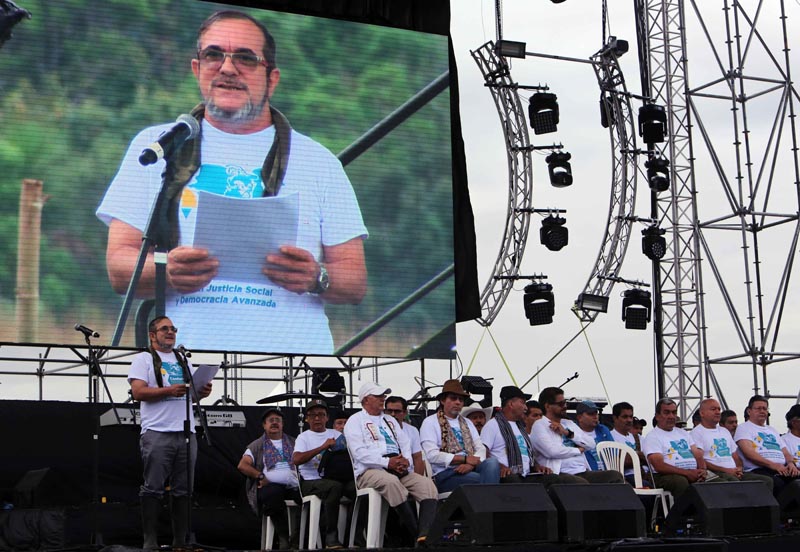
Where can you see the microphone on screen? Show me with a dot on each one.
(185, 128)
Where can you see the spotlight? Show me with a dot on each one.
(658, 174)
(543, 112)
(591, 302)
(559, 169)
(477, 385)
(616, 45)
(654, 245)
(652, 123)
(540, 304)
(608, 114)
(509, 48)
(636, 309)
(553, 234)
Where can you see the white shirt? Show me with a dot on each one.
(413, 438)
(370, 438)
(168, 413)
(281, 472)
(309, 440)
(792, 443)
(554, 451)
(496, 445)
(431, 436)
(764, 440)
(674, 446)
(717, 445)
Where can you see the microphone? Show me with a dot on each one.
(186, 128)
(182, 350)
(87, 332)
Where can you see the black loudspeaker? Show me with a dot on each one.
(495, 514)
(598, 511)
(724, 509)
(41, 488)
(789, 502)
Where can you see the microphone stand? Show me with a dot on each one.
(92, 360)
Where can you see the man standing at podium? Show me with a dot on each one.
(158, 379)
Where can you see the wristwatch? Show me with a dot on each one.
(323, 281)
(261, 477)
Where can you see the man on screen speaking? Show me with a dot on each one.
(245, 149)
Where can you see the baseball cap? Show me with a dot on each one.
(372, 388)
(317, 403)
(586, 407)
(794, 412)
(511, 392)
(270, 410)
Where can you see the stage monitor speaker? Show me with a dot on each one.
(789, 502)
(42, 488)
(495, 514)
(598, 512)
(724, 510)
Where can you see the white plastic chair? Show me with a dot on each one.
(309, 519)
(377, 511)
(614, 454)
(268, 527)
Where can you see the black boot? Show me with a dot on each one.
(405, 512)
(427, 512)
(151, 506)
(179, 514)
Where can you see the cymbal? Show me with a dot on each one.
(289, 396)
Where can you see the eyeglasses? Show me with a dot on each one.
(213, 58)
(560, 403)
(317, 414)
(172, 329)
(393, 411)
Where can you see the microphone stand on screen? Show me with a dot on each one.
(155, 230)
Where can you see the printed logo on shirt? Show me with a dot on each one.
(230, 181)
(768, 441)
(391, 446)
(459, 437)
(523, 448)
(720, 447)
(681, 448)
(171, 373)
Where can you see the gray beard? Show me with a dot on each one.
(244, 114)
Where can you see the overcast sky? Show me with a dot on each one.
(611, 361)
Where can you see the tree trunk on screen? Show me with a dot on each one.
(28, 248)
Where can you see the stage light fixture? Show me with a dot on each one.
(477, 385)
(652, 123)
(543, 112)
(510, 48)
(553, 234)
(540, 303)
(654, 245)
(636, 309)
(559, 168)
(592, 302)
(616, 45)
(608, 114)
(658, 174)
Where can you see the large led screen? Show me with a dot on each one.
(293, 219)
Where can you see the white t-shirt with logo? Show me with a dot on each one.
(496, 445)
(241, 315)
(168, 413)
(309, 440)
(717, 445)
(674, 446)
(792, 443)
(764, 440)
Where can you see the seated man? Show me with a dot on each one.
(622, 416)
(792, 438)
(308, 451)
(506, 439)
(557, 442)
(676, 461)
(381, 456)
(763, 450)
(729, 421)
(453, 446)
(719, 449)
(477, 415)
(397, 407)
(271, 479)
(590, 431)
(533, 414)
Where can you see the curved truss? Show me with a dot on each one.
(615, 101)
(505, 93)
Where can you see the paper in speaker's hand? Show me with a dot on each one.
(240, 233)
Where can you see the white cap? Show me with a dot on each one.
(372, 388)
